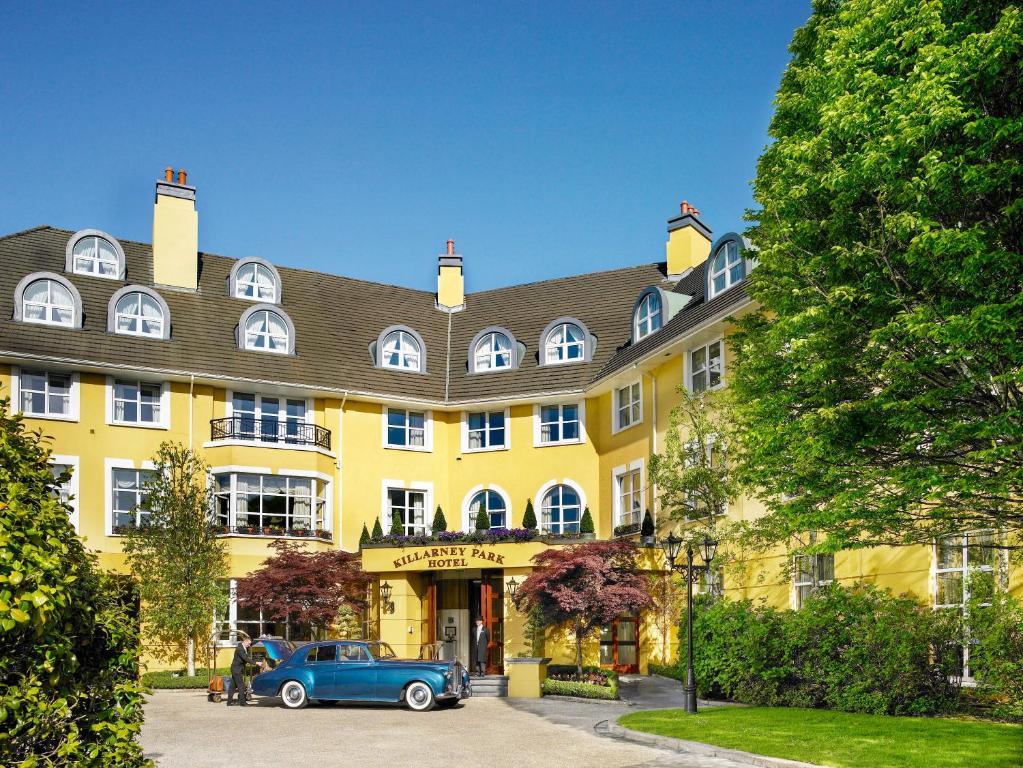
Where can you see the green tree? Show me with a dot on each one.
(176, 556)
(397, 526)
(378, 530)
(364, 536)
(529, 518)
(482, 520)
(439, 522)
(69, 647)
(586, 522)
(878, 386)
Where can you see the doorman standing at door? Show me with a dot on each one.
(478, 648)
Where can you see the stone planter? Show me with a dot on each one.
(525, 676)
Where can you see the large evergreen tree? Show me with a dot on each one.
(878, 390)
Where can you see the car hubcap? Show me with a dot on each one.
(418, 696)
(293, 694)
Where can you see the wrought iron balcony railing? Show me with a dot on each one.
(269, 430)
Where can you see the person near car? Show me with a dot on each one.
(238, 663)
(478, 648)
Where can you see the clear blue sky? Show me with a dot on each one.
(546, 138)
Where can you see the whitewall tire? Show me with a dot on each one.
(419, 697)
(293, 695)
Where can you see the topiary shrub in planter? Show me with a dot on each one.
(397, 526)
(364, 536)
(482, 521)
(440, 524)
(378, 530)
(586, 524)
(529, 518)
(646, 531)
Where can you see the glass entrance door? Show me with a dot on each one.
(619, 644)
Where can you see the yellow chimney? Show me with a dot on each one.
(175, 233)
(688, 241)
(450, 281)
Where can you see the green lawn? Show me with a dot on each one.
(841, 739)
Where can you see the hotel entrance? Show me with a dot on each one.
(454, 600)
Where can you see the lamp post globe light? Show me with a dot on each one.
(708, 548)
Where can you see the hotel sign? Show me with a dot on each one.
(432, 558)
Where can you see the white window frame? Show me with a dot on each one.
(241, 283)
(49, 305)
(538, 441)
(70, 261)
(289, 341)
(730, 264)
(308, 417)
(165, 417)
(95, 260)
(542, 494)
(324, 511)
(17, 375)
(139, 317)
(487, 411)
(72, 488)
(617, 423)
(653, 319)
(549, 345)
(406, 341)
(109, 465)
(469, 521)
(427, 445)
(490, 358)
(689, 365)
(400, 485)
(618, 475)
(814, 582)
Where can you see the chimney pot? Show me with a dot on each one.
(451, 247)
(168, 174)
(182, 177)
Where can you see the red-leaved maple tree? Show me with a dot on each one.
(297, 586)
(586, 585)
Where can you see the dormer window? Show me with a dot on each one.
(264, 328)
(399, 348)
(138, 311)
(728, 266)
(494, 349)
(649, 315)
(255, 279)
(91, 252)
(47, 299)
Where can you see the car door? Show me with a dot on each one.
(356, 676)
(322, 663)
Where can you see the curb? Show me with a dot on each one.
(558, 697)
(709, 750)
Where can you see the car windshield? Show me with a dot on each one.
(381, 650)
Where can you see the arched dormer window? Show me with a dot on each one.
(399, 348)
(648, 315)
(566, 340)
(47, 299)
(91, 252)
(138, 311)
(266, 328)
(494, 349)
(728, 264)
(255, 279)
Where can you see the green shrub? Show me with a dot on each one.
(482, 520)
(378, 530)
(397, 526)
(996, 653)
(592, 676)
(586, 523)
(529, 518)
(648, 525)
(582, 690)
(177, 679)
(69, 636)
(440, 523)
(673, 671)
(364, 536)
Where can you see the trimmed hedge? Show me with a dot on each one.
(177, 679)
(673, 671)
(582, 690)
(597, 682)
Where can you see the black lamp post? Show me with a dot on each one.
(672, 545)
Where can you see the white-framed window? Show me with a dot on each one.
(485, 431)
(493, 352)
(565, 343)
(67, 492)
(401, 350)
(127, 495)
(707, 366)
(270, 505)
(255, 281)
(139, 314)
(727, 268)
(628, 406)
(648, 315)
(268, 419)
(628, 494)
(254, 622)
(95, 255)
(410, 504)
(46, 394)
(48, 302)
(966, 567)
(561, 509)
(139, 403)
(489, 503)
(267, 331)
(558, 424)
(810, 573)
(404, 428)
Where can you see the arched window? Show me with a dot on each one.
(255, 279)
(488, 503)
(649, 315)
(91, 252)
(565, 342)
(561, 510)
(493, 352)
(401, 350)
(727, 267)
(47, 300)
(266, 329)
(138, 311)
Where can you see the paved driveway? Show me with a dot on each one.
(183, 730)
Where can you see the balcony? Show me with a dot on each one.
(266, 431)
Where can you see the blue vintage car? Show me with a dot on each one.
(356, 670)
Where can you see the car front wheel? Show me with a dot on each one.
(293, 695)
(419, 697)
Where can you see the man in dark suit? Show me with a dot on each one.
(238, 663)
(478, 648)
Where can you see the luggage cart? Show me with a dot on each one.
(219, 685)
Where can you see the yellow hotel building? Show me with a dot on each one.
(324, 403)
